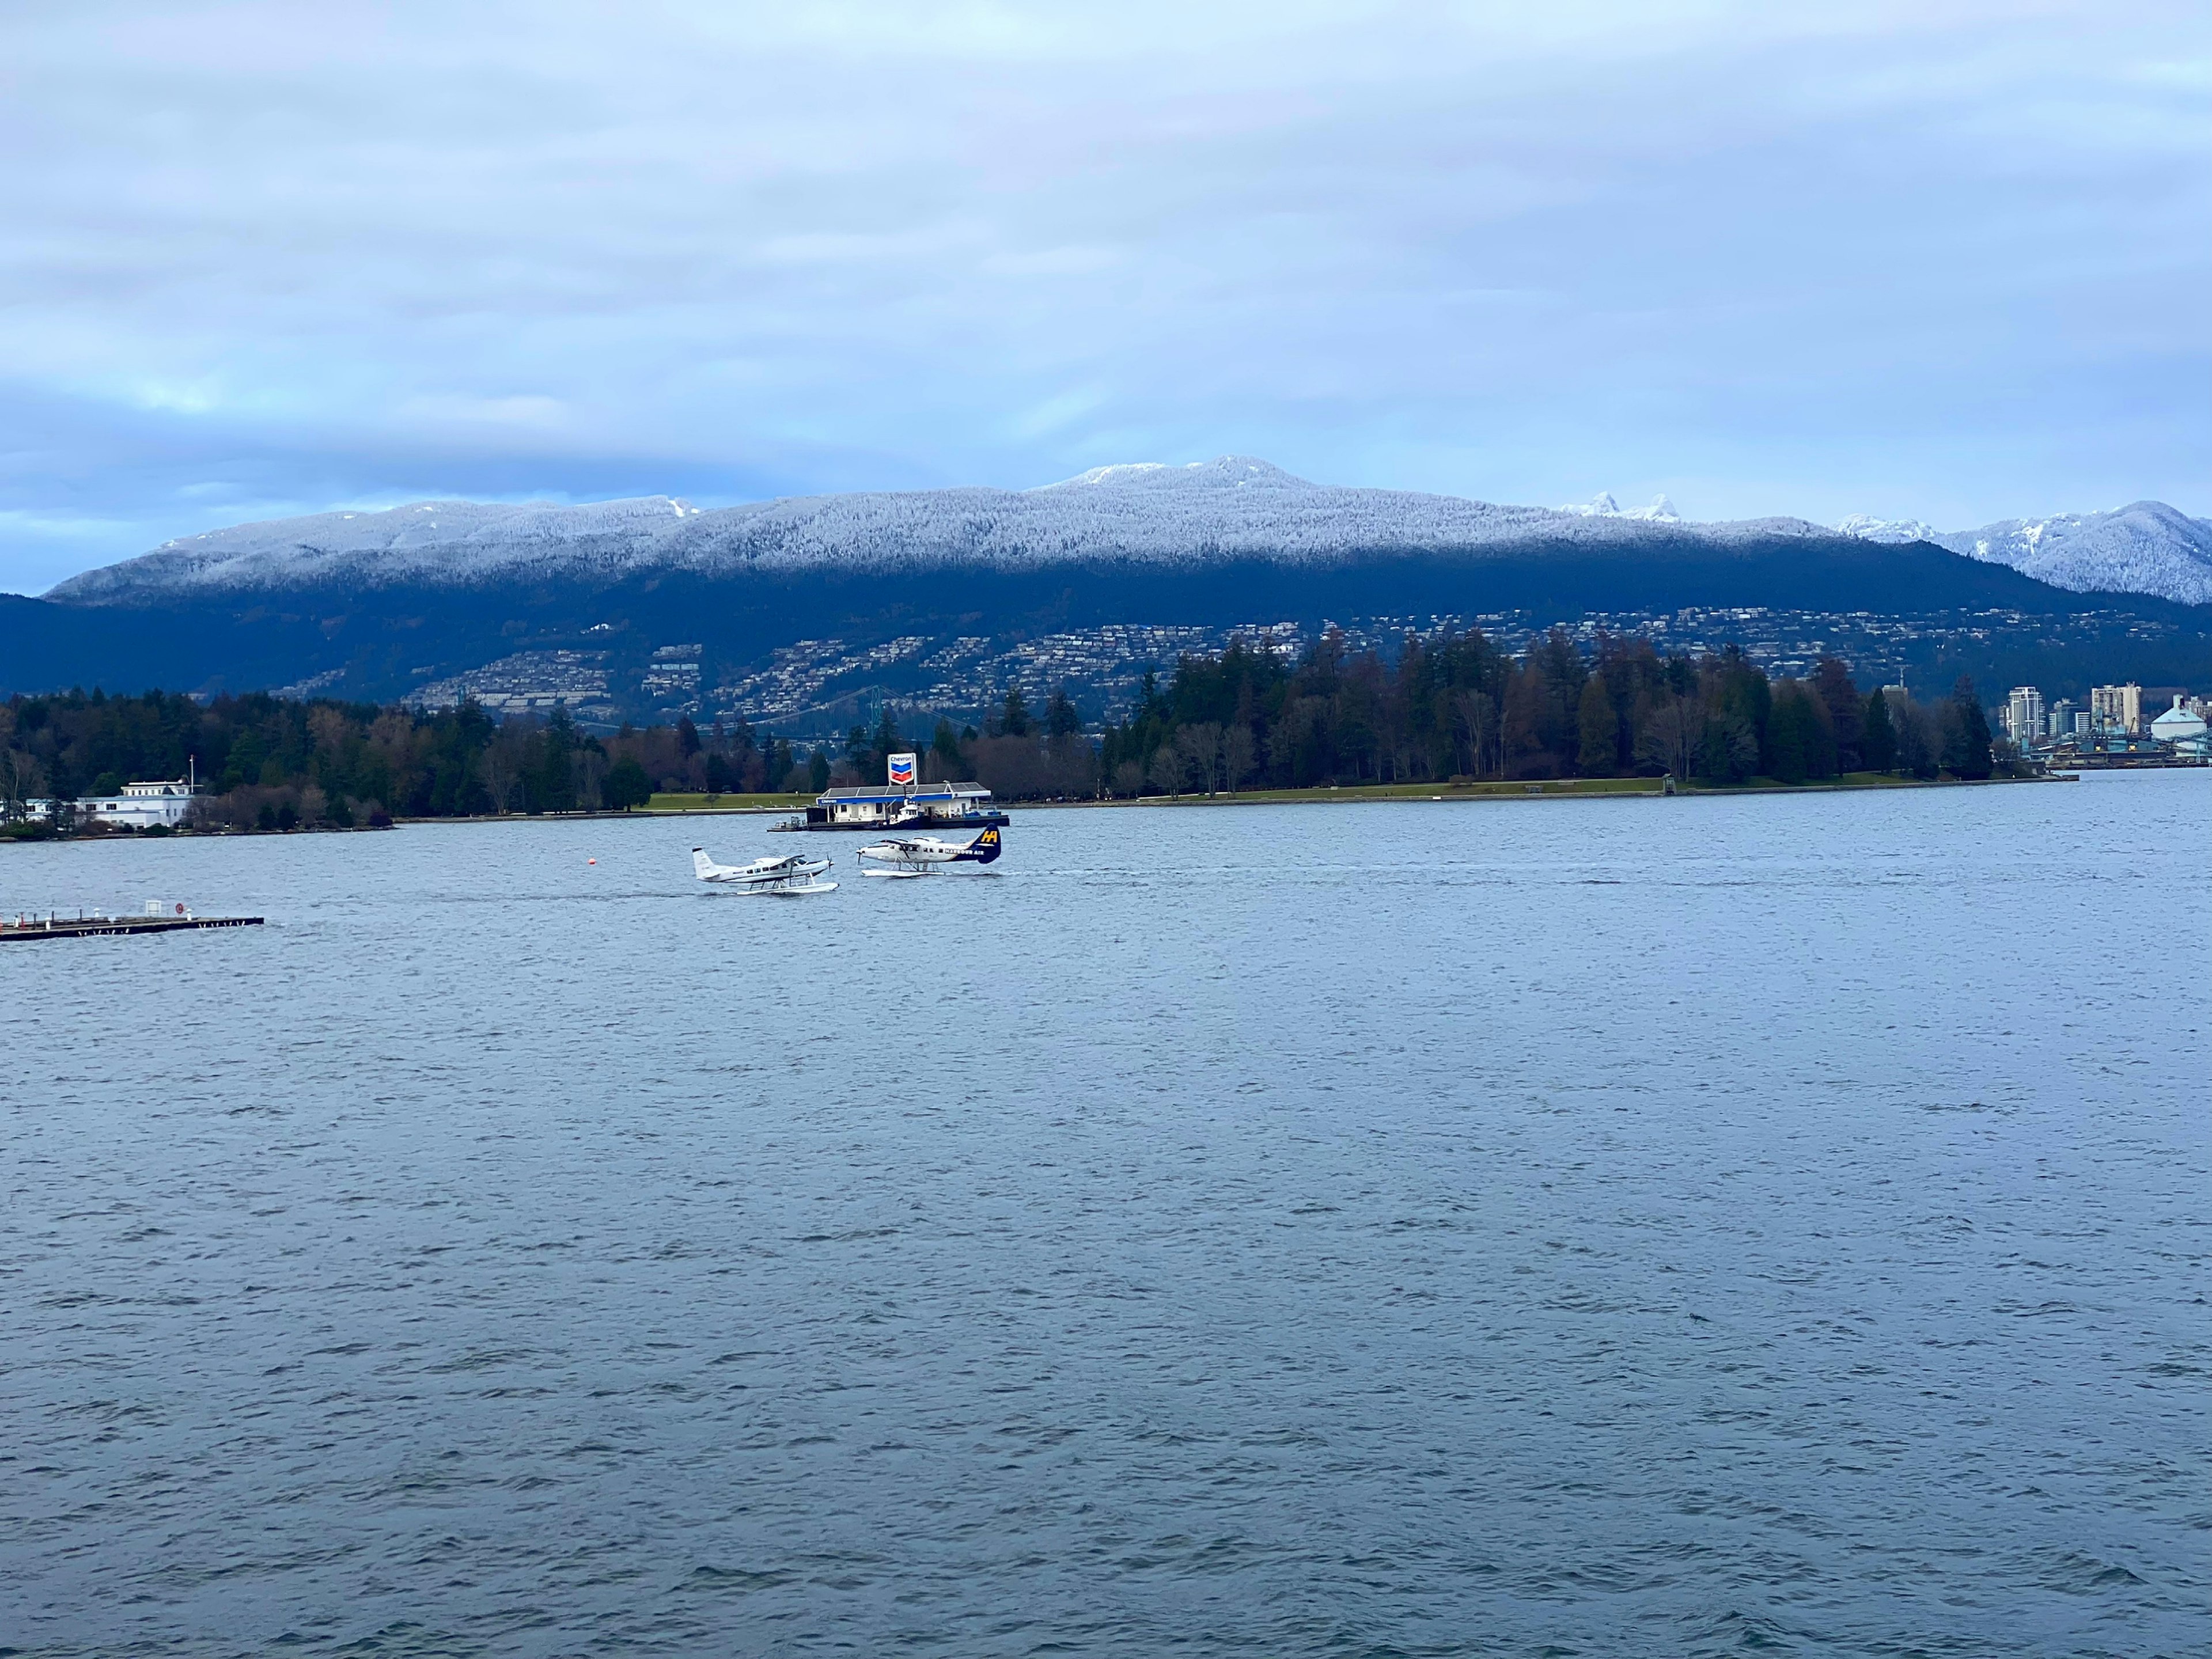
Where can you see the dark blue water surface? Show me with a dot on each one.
(1607, 1227)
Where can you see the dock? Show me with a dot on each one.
(22, 929)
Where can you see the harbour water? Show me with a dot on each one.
(1630, 1227)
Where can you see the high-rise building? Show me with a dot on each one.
(2116, 709)
(2058, 719)
(2024, 715)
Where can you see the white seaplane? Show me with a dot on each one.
(925, 855)
(794, 874)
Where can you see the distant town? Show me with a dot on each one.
(819, 687)
(2110, 730)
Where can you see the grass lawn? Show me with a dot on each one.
(728, 802)
(1487, 789)
(1550, 788)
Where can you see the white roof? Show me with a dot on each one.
(2177, 722)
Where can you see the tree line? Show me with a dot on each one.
(272, 763)
(1460, 707)
(1250, 717)
(1454, 707)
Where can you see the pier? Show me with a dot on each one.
(21, 928)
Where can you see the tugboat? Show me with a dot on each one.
(901, 803)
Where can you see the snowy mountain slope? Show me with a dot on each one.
(2145, 547)
(1208, 512)
(454, 542)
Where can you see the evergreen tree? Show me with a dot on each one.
(1061, 722)
(1789, 738)
(1877, 733)
(1599, 730)
(1727, 750)
(556, 778)
(1967, 754)
(627, 785)
(687, 736)
(818, 769)
(1014, 715)
(1840, 696)
(944, 743)
(887, 739)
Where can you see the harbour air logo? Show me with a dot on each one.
(902, 770)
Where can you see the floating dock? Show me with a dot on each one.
(31, 927)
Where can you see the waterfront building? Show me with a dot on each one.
(2024, 715)
(2116, 708)
(928, 804)
(2058, 719)
(902, 801)
(2178, 726)
(160, 802)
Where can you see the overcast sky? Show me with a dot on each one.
(1948, 261)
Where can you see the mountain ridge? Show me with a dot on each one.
(1143, 513)
(1147, 513)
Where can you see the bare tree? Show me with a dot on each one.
(1237, 754)
(19, 782)
(503, 770)
(1667, 733)
(1476, 716)
(1919, 744)
(1200, 747)
(591, 772)
(1164, 768)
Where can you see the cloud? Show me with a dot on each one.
(1937, 260)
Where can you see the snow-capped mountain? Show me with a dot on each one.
(1662, 511)
(1234, 507)
(1890, 532)
(2145, 547)
(1205, 514)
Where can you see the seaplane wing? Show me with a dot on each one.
(921, 855)
(793, 873)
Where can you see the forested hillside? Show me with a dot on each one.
(1246, 718)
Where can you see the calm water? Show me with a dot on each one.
(1615, 1228)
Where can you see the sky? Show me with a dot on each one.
(1932, 260)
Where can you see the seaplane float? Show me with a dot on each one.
(784, 876)
(926, 855)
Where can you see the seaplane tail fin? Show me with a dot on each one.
(702, 866)
(985, 848)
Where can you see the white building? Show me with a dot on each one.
(161, 801)
(2178, 726)
(2024, 715)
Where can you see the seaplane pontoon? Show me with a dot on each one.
(784, 876)
(925, 855)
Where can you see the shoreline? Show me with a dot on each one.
(1488, 790)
